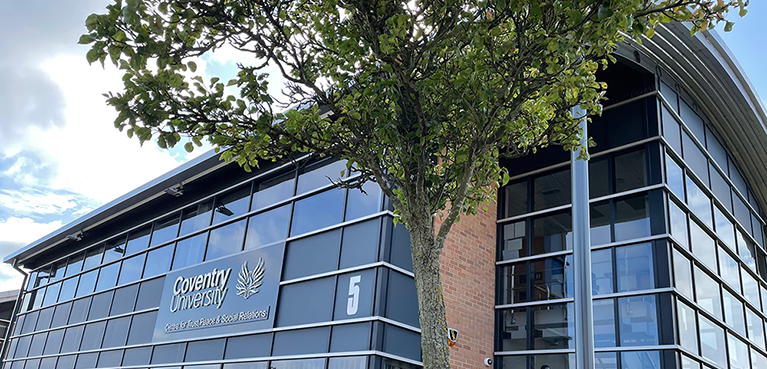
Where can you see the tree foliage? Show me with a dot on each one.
(423, 96)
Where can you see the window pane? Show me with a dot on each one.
(196, 217)
(563, 361)
(158, 261)
(640, 360)
(634, 267)
(81, 309)
(755, 327)
(75, 264)
(738, 353)
(226, 240)
(318, 211)
(116, 332)
(552, 233)
(93, 335)
(165, 229)
(671, 130)
(600, 224)
(53, 344)
(52, 294)
(114, 249)
(638, 321)
(606, 360)
(359, 204)
(142, 328)
(703, 246)
(746, 251)
(550, 278)
(750, 288)
(514, 329)
(551, 190)
(131, 269)
(675, 177)
(299, 364)
(516, 199)
(630, 170)
(268, 227)
(699, 203)
(124, 300)
(695, 158)
(557, 322)
(599, 177)
(514, 283)
(190, 251)
(678, 220)
(602, 272)
(61, 315)
(68, 288)
(57, 271)
(87, 283)
(742, 214)
(729, 269)
(232, 204)
(149, 294)
(349, 362)
(43, 320)
(322, 176)
(138, 240)
(758, 361)
(688, 327)
(724, 228)
(721, 188)
(514, 241)
(682, 274)
(273, 191)
(707, 293)
(107, 277)
(604, 323)
(632, 218)
(733, 313)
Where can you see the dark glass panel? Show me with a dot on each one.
(733, 312)
(688, 327)
(513, 284)
(170, 353)
(551, 277)
(721, 189)
(350, 337)
(68, 288)
(158, 261)
(110, 359)
(638, 321)
(196, 217)
(53, 344)
(37, 344)
(516, 199)
(742, 213)
(634, 265)
(551, 190)
(93, 257)
(23, 346)
(142, 328)
(207, 350)
(273, 191)
(298, 364)
(692, 121)
(600, 223)
(72, 338)
(254, 345)
(116, 332)
(248, 365)
(87, 361)
(359, 245)
(359, 204)
(75, 264)
(52, 294)
(232, 204)
(30, 320)
(555, 324)
(630, 170)
(347, 362)
(678, 220)
(138, 240)
(32, 364)
(100, 305)
(321, 176)
(66, 362)
(632, 218)
(190, 251)
(61, 315)
(563, 361)
(703, 246)
(729, 269)
(695, 159)
(699, 203)
(707, 293)
(108, 277)
(124, 300)
(93, 336)
(80, 310)
(114, 249)
(226, 240)
(552, 233)
(43, 319)
(737, 178)
(675, 177)
(165, 229)
(268, 227)
(291, 311)
(312, 255)
(514, 241)
(137, 356)
(318, 211)
(671, 130)
(604, 323)
(149, 294)
(601, 272)
(746, 250)
(87, 283)
(131, 269)
(717, 151)
(599, 177)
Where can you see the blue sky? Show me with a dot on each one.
(60, 156)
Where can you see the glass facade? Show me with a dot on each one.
(346, 287)
(678, 257)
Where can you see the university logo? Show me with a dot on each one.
(248, 282)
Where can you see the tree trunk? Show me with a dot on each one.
(431, 304)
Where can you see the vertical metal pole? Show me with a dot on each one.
(584, 313)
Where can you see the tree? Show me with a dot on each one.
(425, 96)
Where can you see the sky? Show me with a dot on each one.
(61, 157)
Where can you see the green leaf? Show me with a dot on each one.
(728, 26)
(192, 66)
(85, 39)
(189, 147)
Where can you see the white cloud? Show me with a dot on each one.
(25, 230)
(35, 203)
(10, 279)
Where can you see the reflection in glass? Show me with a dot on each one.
(108, 277)
(322, 176)
(165, 229)
(600, 223)
(158, 261)
(634, 266)
(232, 204)
(514, 283)
(93, 257)
(750, 288)
(678, 220)
(68, 288)
(758, 361)
(114, 249)
(695, 158)
(604, 323)
(196, 217)
(250, 365)
(138, 240)
(688, 327)
(671, 129)
(348, 362)
(733, 312)
(746, 251)
(699, 203)
(707, 293)
(551, 190)
(273, 191)
(131, 269)
(299, 364)
(724, 228)
(190, 251)
(720, 188)
(601, 272)
(599, 177)
(553, 326)
(738, 353)
(226, 240)
(632, 218)
(640, 360)
(638, 321)
(675, 177)
(318, 211)
(75, 264)
(563, 361)
(57, 272)
(268, 227)
(682, 274)
(729, 269)
(606, 360)
(513, 329)
(552, 233)
(630, 170)
(516, 199)
(514, 241)
(755, 327)
(359, 204)
(550, 278)
(52, 294)
(703, 246)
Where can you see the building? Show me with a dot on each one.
(209, 267)
(7, 303)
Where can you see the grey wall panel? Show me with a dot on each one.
(255, 345)
(402, 342)
(302, 341)
(312, 255)
(354, 294)
(350, 337)
(306, 302)
(402, 299)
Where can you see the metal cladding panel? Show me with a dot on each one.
(227, 295)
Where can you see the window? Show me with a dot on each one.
(75, 264)
(758, 361)
(53, 344)
(165, 229)
(138, 240)
(755, 327)
(688, 327)
(682, 274)
(695, 158)
(738, 353)
(108, 277)
(72, 338)
(514, 283)
(232, 204)
(678, 220)
(60, 315)
(268, 227)
(550, 278)
(190, 251)
(57, 271)
(273, 191)
(671, 130)
(68, 288)
(721, 188)
(142, 328)
(638, 321)
(124, 300)
(599, 177)
(321, 176)
(318, 211)
(707, 293)
(600, 223)
(551, 190)
(359, 204)
(602, 272)
(699, 203)
(729, 269)
(516, 199)
(557, 322)
(630, 170)
(632, 218)
(733, 313)
(724, 228)
(196, 217)
(114, 249)
(712, 342)
(604, 323)
(131, 269)
(226, 240)
(100, 305)
(87, 283)
(750, 288)
(634, 265)
(52, 294)
(80, 309)
(703, 246)
(158, 261)
(514, 241)
(170, 353)
(746, 251)
(116, 332)
(552, 233)
(640, 359)
(93, 257)
(207, 350)
(675, 177)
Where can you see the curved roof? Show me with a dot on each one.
(707, 70)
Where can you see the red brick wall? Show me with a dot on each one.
(468, 279)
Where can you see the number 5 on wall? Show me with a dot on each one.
(354, 295)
